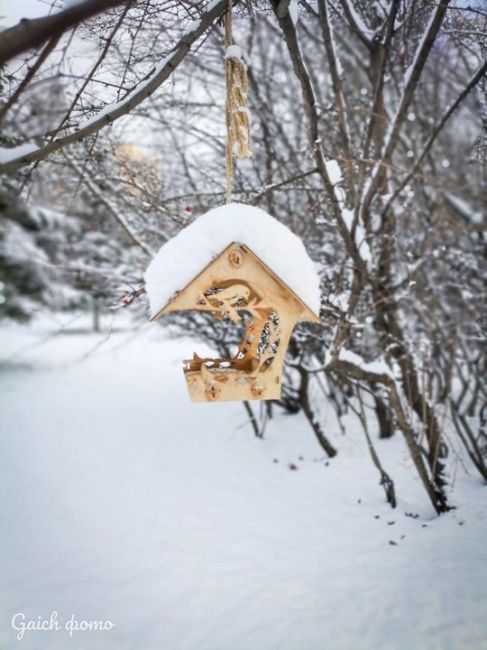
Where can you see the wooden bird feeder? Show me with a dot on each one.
(237, 284)
(237, 262)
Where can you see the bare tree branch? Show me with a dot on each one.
(100, 196)
(90, 74)
(410, 82)
(294, 50)
(474, 80)
(337, 89)
(356, 372)
(354, 22)
(29, 76)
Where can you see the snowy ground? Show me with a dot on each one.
(121, 501)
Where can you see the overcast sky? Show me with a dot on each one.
(11, 11)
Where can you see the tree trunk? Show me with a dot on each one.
(311, 416)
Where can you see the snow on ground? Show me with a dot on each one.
(121, 501)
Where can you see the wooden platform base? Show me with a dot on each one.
(230, 384)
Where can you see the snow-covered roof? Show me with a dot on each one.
(182, 258)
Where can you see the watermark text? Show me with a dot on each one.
(21, 624)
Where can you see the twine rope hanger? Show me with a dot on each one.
(237, 114)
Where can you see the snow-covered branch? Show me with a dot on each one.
(112, 112)
(32, 33)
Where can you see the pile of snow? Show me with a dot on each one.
(187, 532)
(186, 255)
(234, 52)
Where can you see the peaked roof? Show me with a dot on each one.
(183, 258)
(179, 301)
